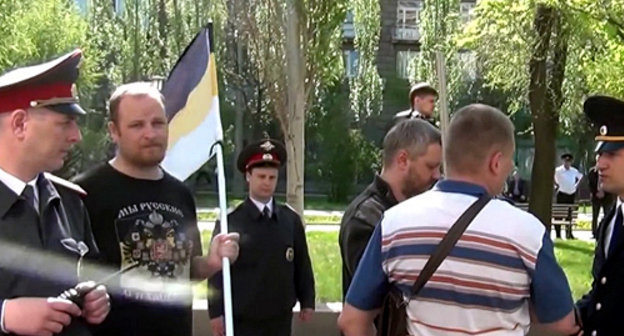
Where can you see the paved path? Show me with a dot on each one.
(324, 228)
(305, 212)
(579, 234)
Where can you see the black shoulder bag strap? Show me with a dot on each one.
(447, 243)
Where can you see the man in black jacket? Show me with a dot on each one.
(422, 98)
(273, 270)
(516, 188)
(44, 227)
(601, 308)
(411, 164)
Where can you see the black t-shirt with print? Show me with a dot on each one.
(154, 223)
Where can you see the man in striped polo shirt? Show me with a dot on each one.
(501, 269)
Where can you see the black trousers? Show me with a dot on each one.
(279, 326)
(563, 198)
(605, 203)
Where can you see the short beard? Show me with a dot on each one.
(139, 162)
(412, 187)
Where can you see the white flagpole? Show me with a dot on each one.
(227, 287)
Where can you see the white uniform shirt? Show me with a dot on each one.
(567, 179)
(17, 185)
(261, 205)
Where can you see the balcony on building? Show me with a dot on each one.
(407, 21)
(406, 33)
(348, 30)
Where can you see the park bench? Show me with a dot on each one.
(561, 214)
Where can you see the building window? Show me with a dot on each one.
(83, 6)
(118, 6)
(348, 30)
(466, 11)
(468, 63)
(349, 17)
(408, 20)
(406, 60)
(351, 60)
(408, 14)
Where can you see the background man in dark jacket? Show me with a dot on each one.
(517, 188)
(411, 164)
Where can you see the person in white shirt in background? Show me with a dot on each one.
(567, 179)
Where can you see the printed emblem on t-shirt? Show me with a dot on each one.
(156, 239)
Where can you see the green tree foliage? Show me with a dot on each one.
(366, 87)
(502, 34)
(295, 45)
(138, 42)
(439, 28)
(339, 154)
(38, 30)
(549, 55)
(29, 31)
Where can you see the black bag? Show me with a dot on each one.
(392, 320)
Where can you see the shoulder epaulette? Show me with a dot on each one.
(403, 114)
(292, 209)
(65, 183)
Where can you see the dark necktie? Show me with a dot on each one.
(616, 235)
(29, 195)
(266, 212)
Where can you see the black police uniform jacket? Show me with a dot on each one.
(358, 223)
(601, 309)
(29, 240)
(273, 269)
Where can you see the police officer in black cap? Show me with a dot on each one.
(566, 180)
(601, 309)
(422, 103)
(42, 217)
(273, 269)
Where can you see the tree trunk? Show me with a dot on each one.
(163, 23)
(294, 132)
(544, 123)
(137, 52)
(241, 108)
(178, 23)
(546, 97)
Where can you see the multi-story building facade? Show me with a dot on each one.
(398, 46)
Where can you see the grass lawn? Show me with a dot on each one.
(574, 256)
(211, 216)
(325, 255)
